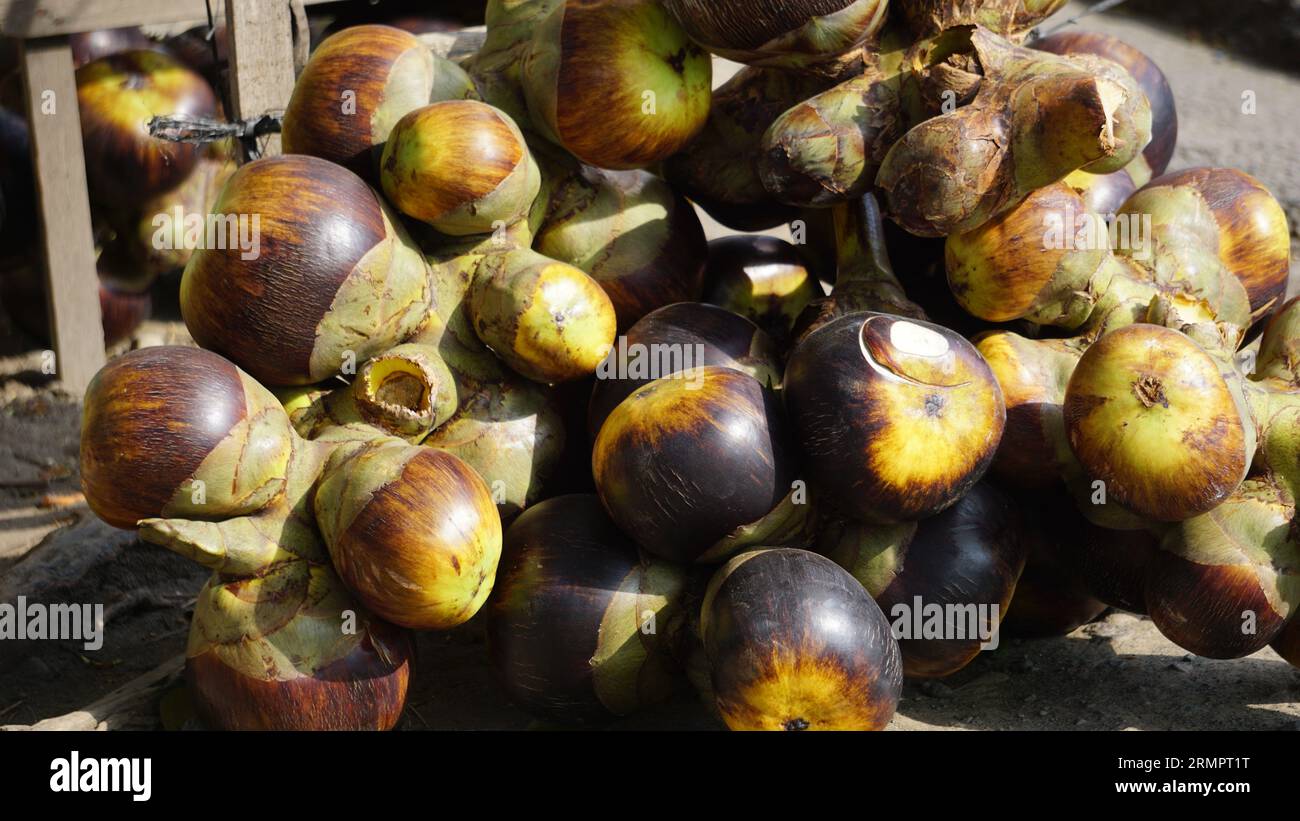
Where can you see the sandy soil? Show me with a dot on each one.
(1116, 673)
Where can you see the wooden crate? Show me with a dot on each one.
(262, 76)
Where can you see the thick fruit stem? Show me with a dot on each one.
(865, 272)
(1035, 119)
(828, 148)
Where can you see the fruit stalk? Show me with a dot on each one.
(1154, 159)
(828, 148)
(1034, 118)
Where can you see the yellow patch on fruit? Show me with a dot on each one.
(1148, 412)
(569, 321)
(934, 416)
(935, 435)
(100, 84)
(791, 693)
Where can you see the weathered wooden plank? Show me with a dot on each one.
(261, 60)
(72, 286)
(45, 18)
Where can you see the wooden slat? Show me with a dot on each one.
(261, 59)
(72, 285)
(45, 18)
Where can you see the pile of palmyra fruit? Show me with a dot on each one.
(486, 360)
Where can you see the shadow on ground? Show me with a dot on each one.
(1115, 674)
(1266, 32)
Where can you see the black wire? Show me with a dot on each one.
(182, 128)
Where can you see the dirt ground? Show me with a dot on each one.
(1116, 673)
